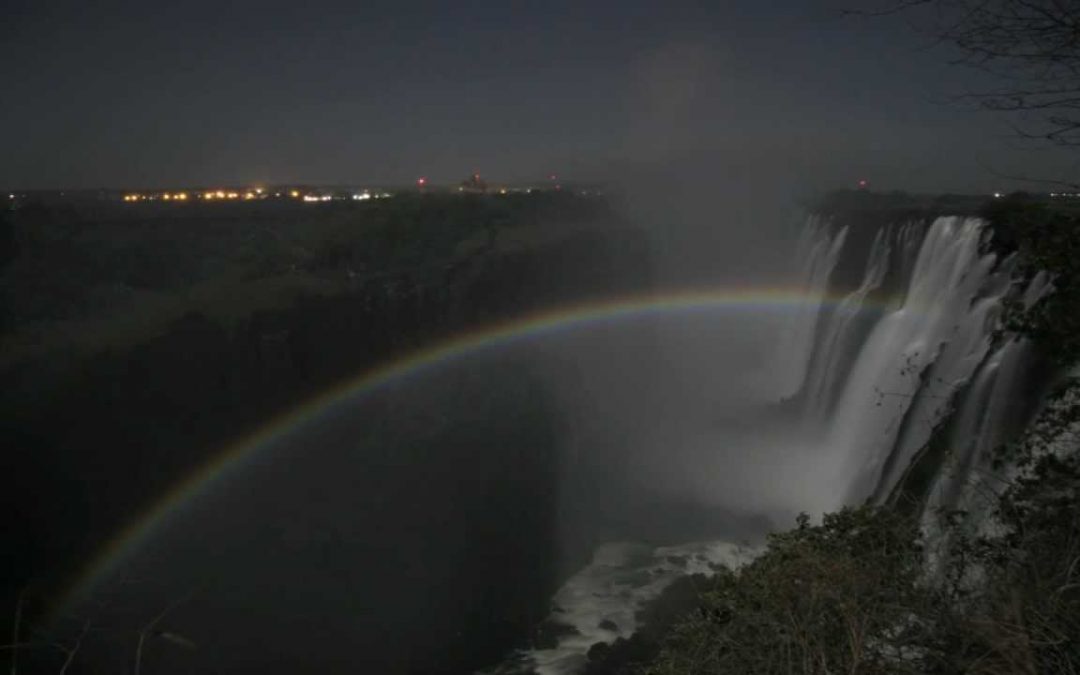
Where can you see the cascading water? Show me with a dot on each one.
(819, 248)
(988, 415)
(909, 345)
(925, 346)
(842, 333)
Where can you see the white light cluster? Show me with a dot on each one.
(368, 194)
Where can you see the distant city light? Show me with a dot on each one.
(997, 195)
(473, 184)
(863, 183)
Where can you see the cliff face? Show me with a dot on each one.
(98, 437)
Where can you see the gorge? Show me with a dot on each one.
(504, 454)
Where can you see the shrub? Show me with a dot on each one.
(852, 594)
(834, 597)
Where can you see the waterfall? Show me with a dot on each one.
(986, 417)
(916, 357)
(911, 345)
(819, 249)
(841, 334)
(894, 350)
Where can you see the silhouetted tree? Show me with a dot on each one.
(1031, 46)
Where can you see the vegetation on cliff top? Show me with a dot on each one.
(1047, 239)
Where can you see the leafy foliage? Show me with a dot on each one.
(834, 597)
(1021, 610)
(1047, 240)
(852, 594)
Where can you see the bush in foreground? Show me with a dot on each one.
(835, 597)
(853, 595)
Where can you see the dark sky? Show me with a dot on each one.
(156, 94)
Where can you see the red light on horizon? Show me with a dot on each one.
(421, 181)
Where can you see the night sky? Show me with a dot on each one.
(149, 94)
